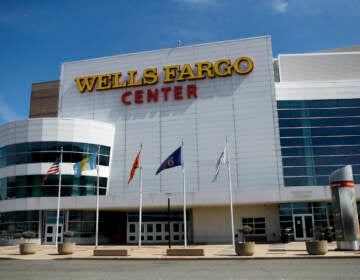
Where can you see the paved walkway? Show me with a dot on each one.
(263, 251)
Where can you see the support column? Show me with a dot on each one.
(344, 209)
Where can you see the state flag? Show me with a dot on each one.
(87, 163)
(171, 161)
(135, 165)
(221, 160)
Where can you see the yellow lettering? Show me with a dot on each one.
(225, 70)
(150, 76)
(104, 82)
(204, 67)
(249, 65)
(132, 79)
(116, 81)
(170, 73)
(186, 71)
(86, 83)
(198, 70)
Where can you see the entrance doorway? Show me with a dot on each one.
(155, 232)
(50, 234)
(303, 225)
(113, 226)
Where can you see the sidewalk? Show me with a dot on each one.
(293, 250)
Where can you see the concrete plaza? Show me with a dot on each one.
(293, 250)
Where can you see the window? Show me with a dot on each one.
(320, 131)
(132, 228)
(317, 137)
(176, 227)
(19, 221)
(328, 150)
(34, 152)
(149, 228)
(30, 186)
(323, 112)
(256, 223)
(319, 103)
(313, 122)
(320, 211)
(83, 222)
(158, 228)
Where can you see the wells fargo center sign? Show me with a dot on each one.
(172, 73)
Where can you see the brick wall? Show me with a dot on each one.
(44, 99)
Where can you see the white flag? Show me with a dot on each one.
(221, 160)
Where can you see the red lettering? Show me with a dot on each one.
(152, 95)
(178, 93)
(166, 90)
(191, 91)
(124, 98)
(139, 96)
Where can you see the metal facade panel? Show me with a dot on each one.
(239, 106)
(319, 67)
(318, 90)
(53, 129)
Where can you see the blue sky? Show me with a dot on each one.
(37, 36)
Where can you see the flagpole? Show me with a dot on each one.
(140, 198)
(97, 199)
(230, 193)
(58, 204)
(184, 192)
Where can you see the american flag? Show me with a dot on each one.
(54, 169)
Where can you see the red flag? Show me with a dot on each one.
(136, 164)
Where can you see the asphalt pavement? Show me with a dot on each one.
(269, 269)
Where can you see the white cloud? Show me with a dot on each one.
(7, 114)
(280, 6)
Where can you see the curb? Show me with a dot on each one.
(186, 259)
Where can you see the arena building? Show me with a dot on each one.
(289, 121)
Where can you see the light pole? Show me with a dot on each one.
(169, 218)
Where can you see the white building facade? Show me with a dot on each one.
(201, 95)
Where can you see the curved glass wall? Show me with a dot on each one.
(30, 186)
(36, 152)
(318, 137)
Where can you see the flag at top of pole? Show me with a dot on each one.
(221, 160)
(171, 161)
(87, 163)
(54, 169)
(136, 164)
(224, 159)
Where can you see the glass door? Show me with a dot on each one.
(155, 232)
(50, 234)
(303, 225)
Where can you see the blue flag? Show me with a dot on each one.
(173, 160)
